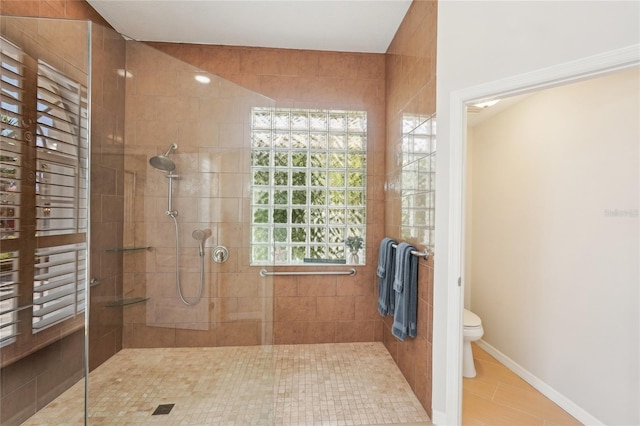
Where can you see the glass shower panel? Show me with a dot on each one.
(197, 191)
(187, 276)
(44, 192)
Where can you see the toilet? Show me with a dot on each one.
(472, 331)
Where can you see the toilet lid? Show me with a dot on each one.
(471, 319)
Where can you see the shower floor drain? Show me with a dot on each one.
(163, 409)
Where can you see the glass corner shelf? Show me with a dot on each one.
(127, 249)
(126, 301)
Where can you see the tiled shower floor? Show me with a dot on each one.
(326, 384)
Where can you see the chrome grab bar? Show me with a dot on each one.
(424, 253)
(264, 273)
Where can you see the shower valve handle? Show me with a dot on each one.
(219, 254)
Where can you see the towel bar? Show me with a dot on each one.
(424, 253)
(350, 272)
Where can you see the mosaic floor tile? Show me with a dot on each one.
(326, 384)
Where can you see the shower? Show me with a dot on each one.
(162, 162)
(165, 164)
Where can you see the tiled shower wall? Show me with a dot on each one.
(411, 79)
(311, 309)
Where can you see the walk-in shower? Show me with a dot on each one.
(165, 164)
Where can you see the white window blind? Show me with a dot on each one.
(61, 197)
(61, 140)
(11, 138)
(12, 94)
(59, 285)
(8, 297)
(59, 193)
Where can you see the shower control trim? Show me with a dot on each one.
(219, 254)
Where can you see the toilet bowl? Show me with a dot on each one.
(472, 331)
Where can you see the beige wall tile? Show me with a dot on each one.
(318, 332)
(238, 334)
(316, 286)
(340, 308)
(295, 309)
(355, 331)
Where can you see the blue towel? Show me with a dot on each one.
(406, 289)
(403, 253)
(385, 251)
(385, 272)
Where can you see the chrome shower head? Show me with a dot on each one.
(162, 162)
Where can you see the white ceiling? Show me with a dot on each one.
(337, 25)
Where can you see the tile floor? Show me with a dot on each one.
(497, 396)
(328, 384)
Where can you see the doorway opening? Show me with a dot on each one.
(539, 195)
(562, 74)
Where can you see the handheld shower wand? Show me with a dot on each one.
(201, 235)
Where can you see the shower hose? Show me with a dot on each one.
(185, 301)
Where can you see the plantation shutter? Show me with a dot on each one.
(61, 197)
(8, 297)
(58, 290)
(44, 117)
(12, 139)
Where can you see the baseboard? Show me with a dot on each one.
(565, 403)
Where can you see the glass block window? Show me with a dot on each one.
(308, 184)
(418, 179)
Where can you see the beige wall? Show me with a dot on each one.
(554, 249)
(410, 82)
